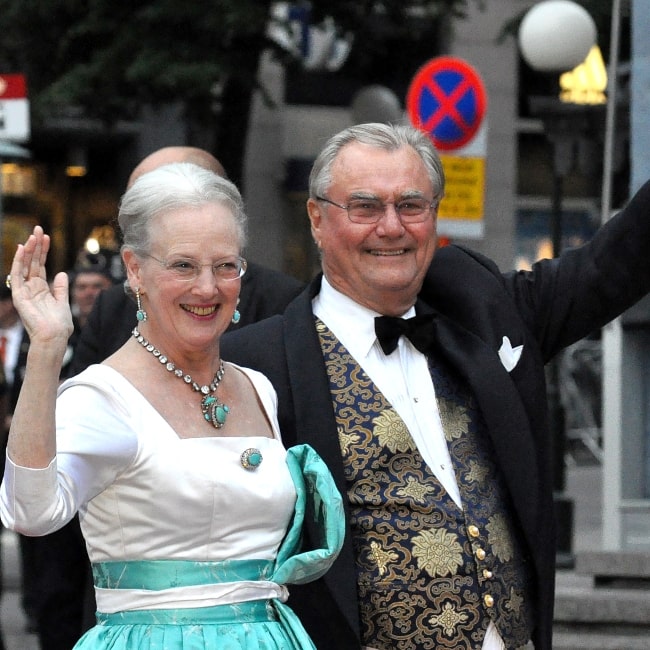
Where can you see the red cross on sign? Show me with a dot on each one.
(447, 100)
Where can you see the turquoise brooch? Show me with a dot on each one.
(251, 459)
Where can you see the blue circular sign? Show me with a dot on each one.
(447, 100)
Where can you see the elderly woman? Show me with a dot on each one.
(190, 506)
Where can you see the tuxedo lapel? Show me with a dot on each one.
(315, 424)
(314, 417)
(501, 407)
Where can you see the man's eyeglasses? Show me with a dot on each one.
(229, 268)
(372, 210)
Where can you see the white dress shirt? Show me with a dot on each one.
(403, 378)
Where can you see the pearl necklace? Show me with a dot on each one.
(214, 411)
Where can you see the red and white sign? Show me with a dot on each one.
(14, 108)
(447, 100)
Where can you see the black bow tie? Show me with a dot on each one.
(418, 330)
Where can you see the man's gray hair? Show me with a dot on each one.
(389, 137)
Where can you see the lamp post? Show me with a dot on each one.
(556, 36)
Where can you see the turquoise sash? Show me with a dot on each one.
(156, 575)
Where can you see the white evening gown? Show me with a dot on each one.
(183, 538)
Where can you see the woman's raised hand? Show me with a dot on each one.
(44, 310)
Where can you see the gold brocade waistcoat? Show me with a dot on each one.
(430, 575)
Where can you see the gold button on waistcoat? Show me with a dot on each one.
(487, 573)
(488, 600)
(480, 553)
(473, 531)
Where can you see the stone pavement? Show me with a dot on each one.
(605, 603)
(11, 613)
(583, 486)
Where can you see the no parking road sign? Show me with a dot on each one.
(447, 100)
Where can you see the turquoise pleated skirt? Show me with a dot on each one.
(253, 626)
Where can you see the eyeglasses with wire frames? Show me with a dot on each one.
(187, 270)
(409, 210)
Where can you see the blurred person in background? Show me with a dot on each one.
(4, 405)
(14, 343)
(88, 280)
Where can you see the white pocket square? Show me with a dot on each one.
(509, 356)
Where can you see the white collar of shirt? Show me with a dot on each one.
(403, 376)
(353, 324)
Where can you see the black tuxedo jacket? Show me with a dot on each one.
(557, 303)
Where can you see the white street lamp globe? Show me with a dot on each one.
(556, 35)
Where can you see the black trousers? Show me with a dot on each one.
(56, 586)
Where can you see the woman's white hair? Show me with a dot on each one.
(171, 187)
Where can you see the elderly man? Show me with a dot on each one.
(420, 380)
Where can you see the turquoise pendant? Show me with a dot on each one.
(251, 458)
(214, 411)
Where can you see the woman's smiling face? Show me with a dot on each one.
(181, 313)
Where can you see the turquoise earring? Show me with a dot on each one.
(236, 317)
(141, 314)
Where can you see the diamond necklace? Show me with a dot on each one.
(214, 411)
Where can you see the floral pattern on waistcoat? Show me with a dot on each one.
(430, 575)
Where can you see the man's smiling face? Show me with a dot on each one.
(380, 265)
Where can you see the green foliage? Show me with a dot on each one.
(112, 56)
(109, 57)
